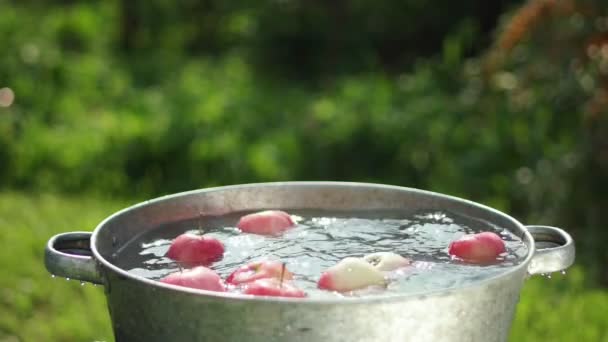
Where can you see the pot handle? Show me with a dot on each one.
(69, 255)
(554, 250)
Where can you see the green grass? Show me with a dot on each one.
(562, 308)
(36, 307)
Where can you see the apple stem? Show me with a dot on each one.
(200, 222)
(181, 269)
(282, 275)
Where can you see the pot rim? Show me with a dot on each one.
(526, 238)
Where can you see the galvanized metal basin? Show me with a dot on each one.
(145, 310)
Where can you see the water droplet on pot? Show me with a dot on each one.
(82, 283)
(549, 276)
(53, 276)
(67, 278)
(563, 272)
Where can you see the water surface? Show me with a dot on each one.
(321, 239)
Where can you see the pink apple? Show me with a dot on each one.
(191, 249)
(477, 248)
(258, 270)
(200, 277)
(387, 261)
(350, 274)
(269, 222)
(273, 287)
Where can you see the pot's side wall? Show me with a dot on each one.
(142, 312)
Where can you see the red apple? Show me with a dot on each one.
(477, 248)
(350, 274)
(258, 270)
(191, 249)
(273, 287)
(387, 261)
(199, 277)
(269, 222)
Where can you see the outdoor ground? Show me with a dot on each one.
(36, 307)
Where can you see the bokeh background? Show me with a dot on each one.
(104, 103)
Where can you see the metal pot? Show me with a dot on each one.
(145, 310)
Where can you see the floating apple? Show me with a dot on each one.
(387, 261)
(350, 274)
(191, 249)
(269, 222)
(200, 277)
(259, 270)
(273, 287)
(477, 248)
